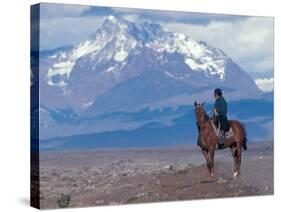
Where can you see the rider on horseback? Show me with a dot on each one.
(220, 111)
(208, 134)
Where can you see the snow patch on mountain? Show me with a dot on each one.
(173, 76)
(66, 61)
(198, 57)
(87, 104)
(122, 44)
(112, 18)
(121, 55)
(61, 68)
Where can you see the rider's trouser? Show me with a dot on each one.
(223, 123)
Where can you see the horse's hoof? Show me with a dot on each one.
(211, 178)
(235, 175)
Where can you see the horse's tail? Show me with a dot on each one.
(244, 138)
(245, 147)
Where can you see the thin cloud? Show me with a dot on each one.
(178, 16)
(98, 11)
(265, 84)
(59, 32)
(53, 11)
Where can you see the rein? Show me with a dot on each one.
(203, 125)
(217, 130)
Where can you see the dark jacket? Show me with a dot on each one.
(221, 106)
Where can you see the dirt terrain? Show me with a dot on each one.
(109, 177)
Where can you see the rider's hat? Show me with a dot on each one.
(218, 91)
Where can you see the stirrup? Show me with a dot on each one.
(220, 146)
(221, 140)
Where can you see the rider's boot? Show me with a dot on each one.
(221, 140)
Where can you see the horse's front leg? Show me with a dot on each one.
(212, 161)
(208, 163)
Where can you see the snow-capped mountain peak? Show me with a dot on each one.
(112, 18)
(114, 41)
(113, 24)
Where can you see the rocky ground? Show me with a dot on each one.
(109, 177)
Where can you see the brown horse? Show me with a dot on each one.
(208, 140)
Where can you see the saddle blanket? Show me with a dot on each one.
(229, 133)
(217, 130)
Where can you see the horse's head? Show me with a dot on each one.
(200, 113)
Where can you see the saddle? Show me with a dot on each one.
(228, 132)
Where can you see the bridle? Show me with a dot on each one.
(206, 118)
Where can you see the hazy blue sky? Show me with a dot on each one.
(248, 40)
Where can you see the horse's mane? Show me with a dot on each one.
(206, 116)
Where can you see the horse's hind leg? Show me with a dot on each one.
(208, 163)
(236, 153)
(239, 150)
